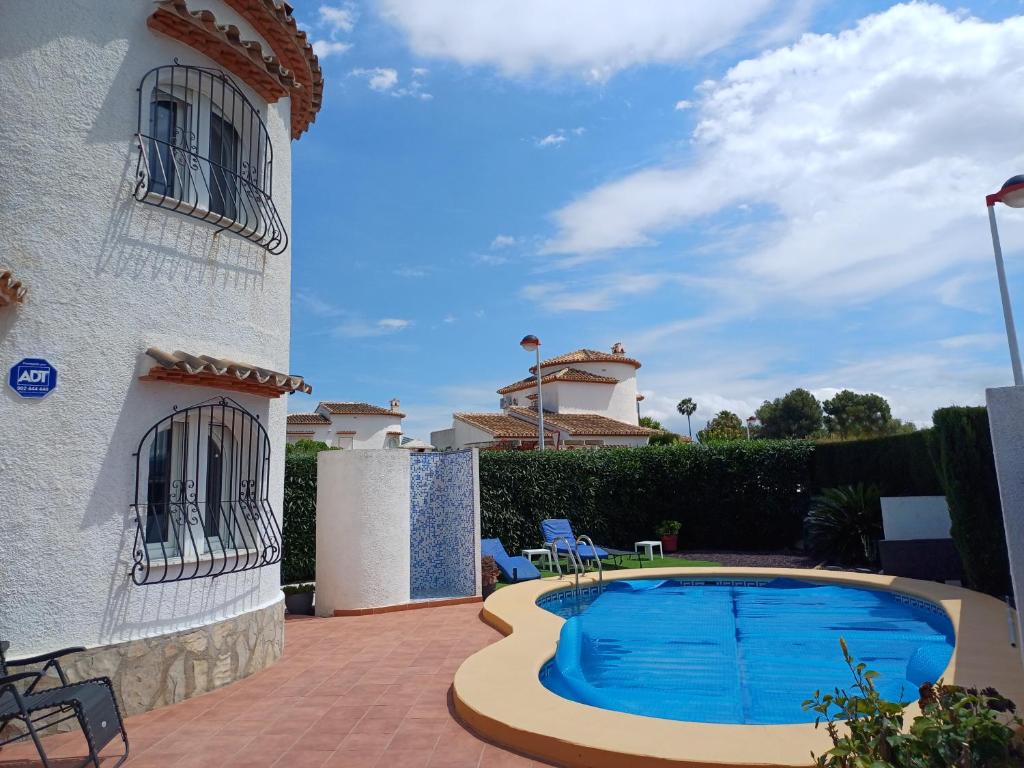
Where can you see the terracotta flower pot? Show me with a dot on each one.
(670, 543)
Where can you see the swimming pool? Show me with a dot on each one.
(730, 651)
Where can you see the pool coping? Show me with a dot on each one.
(497, 691)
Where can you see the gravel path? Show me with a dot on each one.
(788, 558)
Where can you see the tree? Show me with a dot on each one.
(796, 414)
(305, 445)
(725, 426)
(849, 413)
(687, 407)
(665, 438)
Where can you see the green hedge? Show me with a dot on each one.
(899, 465)
(736, 495)
(963, 456)
(298, 562)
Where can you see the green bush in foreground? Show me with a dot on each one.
(845, 524)
(957, 727)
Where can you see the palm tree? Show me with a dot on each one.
(687, 408)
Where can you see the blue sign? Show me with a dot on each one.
(33, 377)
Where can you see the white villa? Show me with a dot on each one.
(590, 401)
(145, 269)
(349, 425)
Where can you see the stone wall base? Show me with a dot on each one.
(157, 671)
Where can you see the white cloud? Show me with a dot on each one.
(394, 323)
(410, 272)
(552, 140)
(335, 21)
(591, 38)
(490, 259)
(870, 150)
(503, 241)
(378, 78)
(326, 48)
(338, 19)
(449, 318)
(973, 340)
(683, 104)
(420, 71)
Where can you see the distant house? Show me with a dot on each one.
(590, 401)
(349, 425)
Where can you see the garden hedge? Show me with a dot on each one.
(898, 465)
(298, 562)
(734, 495)
(962, 450)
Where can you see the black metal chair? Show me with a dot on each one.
(91, 702)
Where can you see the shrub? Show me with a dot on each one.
(899, 465)
(298, 534)
(747, 494)
(669, 528)
(844, 524)
(963, 457)
(957, 727)
(305, 445)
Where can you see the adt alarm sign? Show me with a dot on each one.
(33, 377)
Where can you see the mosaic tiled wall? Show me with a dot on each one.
(443, 525)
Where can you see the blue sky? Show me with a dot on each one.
(751, 196)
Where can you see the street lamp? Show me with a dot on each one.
(532, 344)
(1011, 194)
(751, 421)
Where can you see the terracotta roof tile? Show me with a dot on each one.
(274, 21)
(307, 418)
(500, 424)
(586, 424)
(11, 290)
(223, 43)
(204, 370)
(566, 374)
(587, 356)
(360, 409)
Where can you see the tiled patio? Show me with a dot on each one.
(350, 692)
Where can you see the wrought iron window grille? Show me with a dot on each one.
(202, 506)
(204, 151)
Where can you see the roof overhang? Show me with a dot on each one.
(205, 371)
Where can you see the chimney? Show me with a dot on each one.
(618, 349)
(395, 404)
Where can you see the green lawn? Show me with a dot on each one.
(629, 563)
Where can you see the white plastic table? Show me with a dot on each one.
(648, 547)
(529, 554)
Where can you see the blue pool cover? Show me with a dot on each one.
(738, 652)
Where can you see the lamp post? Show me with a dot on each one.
(532, 344)
(1011, 194)
(751, 421)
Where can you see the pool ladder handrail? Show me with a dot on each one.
(571, 553)
(584, 539)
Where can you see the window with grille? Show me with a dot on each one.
(202, 504)
(204, 151)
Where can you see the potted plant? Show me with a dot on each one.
(488, 574)
(669, 533)
(298, 598)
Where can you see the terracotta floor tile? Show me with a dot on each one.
(357, 692)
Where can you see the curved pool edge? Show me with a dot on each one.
(497, 691)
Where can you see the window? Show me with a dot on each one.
(391, 441)
(205, 152)
(201, 500)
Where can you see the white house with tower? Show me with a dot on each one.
(349, 425)
(145, 270)
(590, 401)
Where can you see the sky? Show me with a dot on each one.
(751, 196)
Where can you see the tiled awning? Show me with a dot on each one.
(206, 371)
(11, 290)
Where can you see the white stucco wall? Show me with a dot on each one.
(362, 530)
(467, 436)
(370, 431)
(1006, 423)
(108, 277)
(443, 439)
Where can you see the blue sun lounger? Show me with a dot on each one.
(559, 529)
(513, 569)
